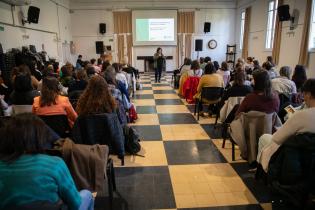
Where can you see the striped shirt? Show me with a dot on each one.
(38, 177)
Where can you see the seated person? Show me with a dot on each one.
(66, 77)
(186, 66)
(225, 73)
(23, 92)
(120, 75)
(80, 83)
(49, 71)
(216, 65)
(239, 88)
(195, 70)
(52, 103)
(262, 99)
(209, 79)
(271, 69)
(302, 121)
(27, 175)
(96, 98)
(110, 77)
(95, 65)
(4, 89)
(299, 76)
(249, 65)
(283, 84)
(24, 69)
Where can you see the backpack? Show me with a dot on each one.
(132, 145)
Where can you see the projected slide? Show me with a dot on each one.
(158, 29)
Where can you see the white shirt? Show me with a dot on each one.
(122, 77)
(196, 73)
(283, 85)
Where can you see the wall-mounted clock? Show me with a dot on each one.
(212, 44)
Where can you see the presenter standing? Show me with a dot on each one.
(159, 64)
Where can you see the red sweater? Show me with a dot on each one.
(255, 102)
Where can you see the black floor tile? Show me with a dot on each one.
(168, 102)
(146, 110)
(215, 132)
(146, 88)
(146, 187)
(192, 152)
(160, 84)
(181, 118)
(145, 82)
(191, 108)
(262, 192)
(239, 207)
(149, 132)
(144, 96)
(163, 91)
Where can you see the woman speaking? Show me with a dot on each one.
(159, 64)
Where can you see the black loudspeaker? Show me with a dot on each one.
(33, 14)
(102, 28)
(198, 44)
(99, 47)
(207, 27)
(284, 12)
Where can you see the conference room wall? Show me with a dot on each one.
(85, 31)
(290, 39)
(222, 30)
(56, 35)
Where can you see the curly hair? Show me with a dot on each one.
(96, 98)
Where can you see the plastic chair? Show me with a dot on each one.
(209, 94)
(58, 123)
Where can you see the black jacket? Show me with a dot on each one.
(100, 129)
(293, 165)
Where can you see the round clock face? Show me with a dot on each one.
(212, 44)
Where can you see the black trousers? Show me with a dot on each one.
(158, 73)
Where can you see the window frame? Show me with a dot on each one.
(242, 29)
(271, 32)
(311, 48)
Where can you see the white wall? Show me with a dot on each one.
(222, 30)
(221, 14)
(52, 30)
(290, 39)
(85, 31)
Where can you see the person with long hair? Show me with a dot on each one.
(195, 70)
(25, 70)
(96, 98)
(262, 99)
(52, 103)
(23, 91)
(186, 66)
(299, 76)
(159, 64)
(224, 71)
(239, 87)
(301, 121)
(80, 82)
(28, 175)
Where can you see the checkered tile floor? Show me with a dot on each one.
(184, 165)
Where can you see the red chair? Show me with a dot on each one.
(190, 88)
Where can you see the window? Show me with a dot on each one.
(312, 31)
(272, 13)
(242, 29)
